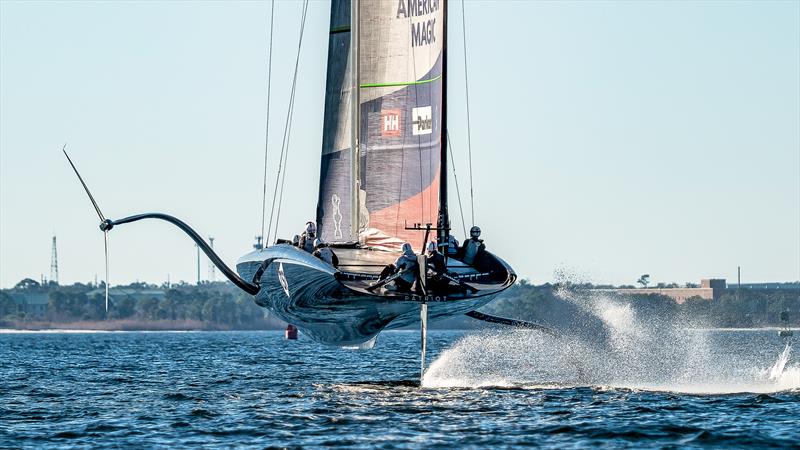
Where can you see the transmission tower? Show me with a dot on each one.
(54, 263)
(212, 275)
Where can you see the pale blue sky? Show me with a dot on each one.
(610, 139)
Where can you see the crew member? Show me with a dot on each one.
(325, 253)
(473, 246)
(437, 268)
(435, 258)
(296, 240)
(307, 238)
(407, 265)
(452, 245)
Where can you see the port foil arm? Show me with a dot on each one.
(252, 289)
(511, 322)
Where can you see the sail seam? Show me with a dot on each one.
(408, 83)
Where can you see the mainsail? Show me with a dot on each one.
(386, 176)
(337, 177)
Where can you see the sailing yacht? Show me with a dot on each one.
(383, 186)
(383, 182)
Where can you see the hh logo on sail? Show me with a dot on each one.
(390, 122)
(423, 122)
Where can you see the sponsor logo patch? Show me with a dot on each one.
(422, 120)
(390, 122)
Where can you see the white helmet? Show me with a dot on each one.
(475, 232)
(431, 247)
(311, 228)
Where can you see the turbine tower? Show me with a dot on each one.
(198, 264)
(54, 263)
(212, 270)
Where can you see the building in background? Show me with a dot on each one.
(31, 304)
(710, 289)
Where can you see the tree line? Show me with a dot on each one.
(213, 303)
(734, 308)
(224, 305)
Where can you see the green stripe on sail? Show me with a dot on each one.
(341, 29)
(409, 83)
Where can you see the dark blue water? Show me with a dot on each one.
(254, 389)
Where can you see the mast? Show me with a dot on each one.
(355, 209)
(443, 222)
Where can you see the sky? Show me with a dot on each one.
(609, 139)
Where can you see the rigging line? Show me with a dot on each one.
(285, 165)
(402, 150)
(283, 177)
(455, 178)
(288, 136)
(419, 146)
(432, 154)
(266, 136)
(469, 133)
(286, 129)
(400, 182)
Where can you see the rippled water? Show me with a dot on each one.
(254, 389)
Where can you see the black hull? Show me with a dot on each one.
(317, 298)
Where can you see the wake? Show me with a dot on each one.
(623, 349)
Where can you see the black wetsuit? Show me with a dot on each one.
(438, 265)
(471, 249)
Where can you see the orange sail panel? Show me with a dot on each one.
(400, 118)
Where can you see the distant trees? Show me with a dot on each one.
(750, 308)
(27, 283)
(8, 307)
(644, 280)
(223, 305)
(756, 307)
(66, 306)
(220, 304)
(120, 308)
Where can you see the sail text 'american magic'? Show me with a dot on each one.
(422, 33)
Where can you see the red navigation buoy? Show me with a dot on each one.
(291, 332)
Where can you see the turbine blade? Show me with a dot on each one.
(85, 188)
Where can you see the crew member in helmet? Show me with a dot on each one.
(452, 245)
(296, 240)
(435, 258)
(307, 238)
(407, 265)
(473, 246)
(325, 253)
(437, 267)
